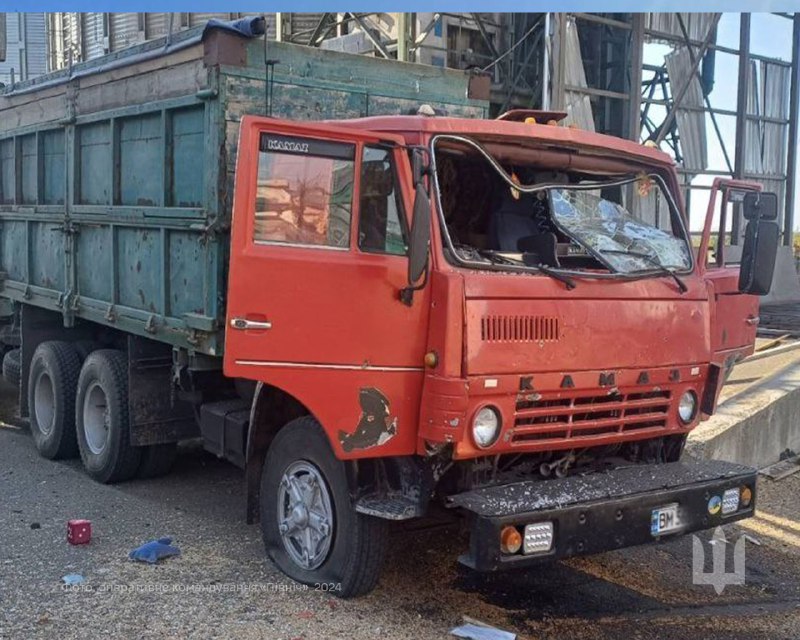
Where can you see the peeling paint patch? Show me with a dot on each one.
(375, 426)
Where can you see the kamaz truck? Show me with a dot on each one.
(350, 282)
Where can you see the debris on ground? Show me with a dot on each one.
(154, 551)
(477, 630)
(72, 579)
(782, 469)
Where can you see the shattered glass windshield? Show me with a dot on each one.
(624, 241)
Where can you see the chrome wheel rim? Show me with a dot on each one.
(305, 515)
(95, 418)
(44, 403)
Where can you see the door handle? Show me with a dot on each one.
(751, 320)
(243, 324)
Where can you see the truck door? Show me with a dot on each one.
(318, 259)
(734, 316)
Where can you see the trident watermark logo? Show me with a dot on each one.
(718, 577)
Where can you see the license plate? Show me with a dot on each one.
(664, 520)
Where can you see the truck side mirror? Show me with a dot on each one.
(420, 235)
(419, 243)
(760, 243)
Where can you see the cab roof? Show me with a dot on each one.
(493, 129)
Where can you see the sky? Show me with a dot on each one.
(770, 36)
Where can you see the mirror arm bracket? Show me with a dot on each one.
(407, 293)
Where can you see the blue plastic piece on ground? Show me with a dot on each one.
(72, 579)
(154, 551)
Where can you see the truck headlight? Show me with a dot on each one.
(486, 427)
(687, 407)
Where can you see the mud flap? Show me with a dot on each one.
(156, 416)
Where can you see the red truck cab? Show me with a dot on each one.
(504, 315)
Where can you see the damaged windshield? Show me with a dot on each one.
(501, 211)
(608, 229)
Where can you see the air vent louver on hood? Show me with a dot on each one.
(519, 329)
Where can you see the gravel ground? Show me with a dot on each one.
(222, 585)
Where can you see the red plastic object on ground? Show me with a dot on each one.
(79, 531)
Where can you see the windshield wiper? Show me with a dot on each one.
(498, 258)
(660, 268)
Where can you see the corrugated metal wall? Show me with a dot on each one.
(696, 24)
(126, 29)
(765, 147)
(90, 35)
(691, 122)
(26, 46)
(95, 41)
(577, 105)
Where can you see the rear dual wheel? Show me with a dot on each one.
(103, 425)
(52, 381)
(83, 409)
(102, 418)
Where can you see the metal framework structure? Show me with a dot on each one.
(617, 82)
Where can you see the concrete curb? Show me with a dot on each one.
(755, 427)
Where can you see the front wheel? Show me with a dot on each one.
(310, 528)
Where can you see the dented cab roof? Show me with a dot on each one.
(539, 134)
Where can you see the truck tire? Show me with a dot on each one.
(157, 460)
(337, 547)
(52, 382)
(101, 416)
(12, 365)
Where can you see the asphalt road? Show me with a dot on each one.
(222, 585)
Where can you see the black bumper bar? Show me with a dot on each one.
(600, 511)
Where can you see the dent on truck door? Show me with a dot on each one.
(313, 297)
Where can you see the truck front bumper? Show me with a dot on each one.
(603, 511)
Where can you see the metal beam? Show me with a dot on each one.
(368, 32)
(669, 37)
(705, 95)
(635, 104)
(2, 37)
(678, 99)
(485, 34)
(319, 30)
(794, 113)
(741, 117)
(591, 17)
(425, 32)
(402, 36)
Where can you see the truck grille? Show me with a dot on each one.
(585, 416)
(519, 329)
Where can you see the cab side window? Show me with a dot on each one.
(381, 223)
(304, 192)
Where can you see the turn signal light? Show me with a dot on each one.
(510, 540)
(745, 496)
